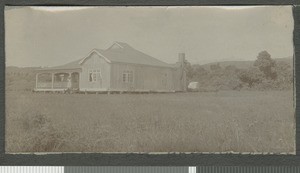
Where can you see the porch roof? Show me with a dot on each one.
(72, 66)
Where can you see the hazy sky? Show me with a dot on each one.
(41, 36)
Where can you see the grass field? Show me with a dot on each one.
(245, 121)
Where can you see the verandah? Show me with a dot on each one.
(48, 80)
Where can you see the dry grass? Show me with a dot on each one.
(246, 121)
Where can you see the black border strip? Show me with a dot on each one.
(296, 34)
(149, 2)
(147, 159)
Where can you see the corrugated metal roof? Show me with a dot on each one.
(127, 54)
(124, 54)
(70, 65)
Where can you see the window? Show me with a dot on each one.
(95, 75)
(124, 77)
(164, 79)
(127, 76)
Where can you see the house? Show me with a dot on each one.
(118, 68)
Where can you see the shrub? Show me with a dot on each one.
(41, 133)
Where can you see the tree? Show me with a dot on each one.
(284, 69)
(251, 76)
(215, 67)
(199, 70)
(266, 64)
(284, 74)
(189, 70)
(230, 70)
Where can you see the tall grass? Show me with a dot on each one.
(247, 121)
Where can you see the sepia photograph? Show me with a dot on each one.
(149, 79)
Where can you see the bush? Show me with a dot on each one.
(251, 76)
(265, 74)
(41, 133)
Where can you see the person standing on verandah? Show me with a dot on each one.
(69, 84)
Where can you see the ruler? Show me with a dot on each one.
(149, 169)
(96, 169)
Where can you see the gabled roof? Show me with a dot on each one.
(117, 53)
(127, 54)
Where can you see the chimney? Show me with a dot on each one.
(181, 57)
(182, 72)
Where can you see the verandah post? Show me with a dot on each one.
(70, 80)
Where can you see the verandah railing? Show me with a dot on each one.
(56, 85)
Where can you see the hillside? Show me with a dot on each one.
(14, 69)
(246, 64)
(20, 78)
(237, 75)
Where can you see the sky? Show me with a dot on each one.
(50, 36)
